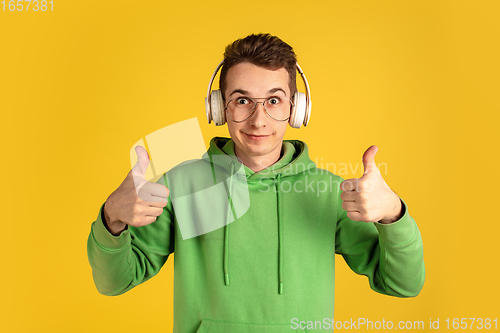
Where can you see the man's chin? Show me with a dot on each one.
(254, 149)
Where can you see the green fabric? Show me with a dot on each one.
(274, 263)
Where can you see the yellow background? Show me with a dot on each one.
(80, 85)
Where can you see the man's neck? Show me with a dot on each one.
(259, 163)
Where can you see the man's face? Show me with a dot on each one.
(259, 135)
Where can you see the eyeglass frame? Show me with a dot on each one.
(255, 108)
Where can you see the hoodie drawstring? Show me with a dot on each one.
(280, 235)
(226, 228)
(277, 182)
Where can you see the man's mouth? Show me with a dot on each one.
(257, 136)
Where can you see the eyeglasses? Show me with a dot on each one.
(241, 108)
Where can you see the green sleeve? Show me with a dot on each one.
(390, 255)
(119, 263)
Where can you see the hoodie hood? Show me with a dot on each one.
(294, 160)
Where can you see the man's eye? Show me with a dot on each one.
(274, 101)
(242, 101)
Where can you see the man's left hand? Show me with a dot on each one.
(369, 198)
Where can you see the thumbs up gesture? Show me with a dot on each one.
(369, 198)
(136, 201)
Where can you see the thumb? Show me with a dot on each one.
(142, 163)
(369, 160)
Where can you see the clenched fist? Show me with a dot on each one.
(136, 201)
(369, 198)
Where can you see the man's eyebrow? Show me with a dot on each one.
(244, 92)
(272, 91)
(241, 91)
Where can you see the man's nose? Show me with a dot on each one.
(259, 117)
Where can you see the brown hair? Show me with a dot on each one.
(263, 50)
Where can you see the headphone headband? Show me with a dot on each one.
(213, 77)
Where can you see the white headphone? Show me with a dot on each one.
(301, 110)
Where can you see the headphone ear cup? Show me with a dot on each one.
(207, 110)
(217, 108)
(297, 116)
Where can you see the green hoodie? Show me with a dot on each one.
(271, 263)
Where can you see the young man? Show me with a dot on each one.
(273, 261)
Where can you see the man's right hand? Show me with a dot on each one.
(136, 201)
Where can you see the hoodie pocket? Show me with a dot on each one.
(213, 326)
